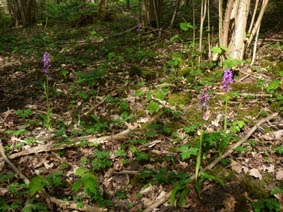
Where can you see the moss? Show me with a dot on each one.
(275, 106)
(242, 87)
(243, 113)
(255, 188)
(193, 115)
(179, 99)
(266, 64)
(224, 174)
(276, 69)
(270, 58)
(242, 204)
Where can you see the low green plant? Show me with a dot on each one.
(24, 113)
(90, 184)
(101, 160)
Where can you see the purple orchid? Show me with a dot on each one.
(139, 27)
(227, 80)
(46, 62)
(203, 99)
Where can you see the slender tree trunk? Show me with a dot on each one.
(202, 18)
(226, 23)
(236, 47)
(151, 12)
(177, 6)
(258, 22)
(22, 11)
(128, 4)
(220, 21)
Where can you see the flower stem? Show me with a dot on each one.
(199, 154)
(226, 109)
(48, 122)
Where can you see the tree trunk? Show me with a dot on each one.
(236, 46)
(128, 4)
(22, 11)
(151, 12)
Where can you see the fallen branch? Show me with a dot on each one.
(25, 179)
(75, 142)
(157, 203)
(58, 202)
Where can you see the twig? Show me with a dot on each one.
(73, 205)
(25, 179)
(74, 142)
(157, 203)
(248, 94)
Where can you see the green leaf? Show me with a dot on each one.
(273, 204)
(205, 175)
(81, 172)
(152, 107)
(186, 26)
(279, 149)
(273, 85)
(258, 205)
(216, 50)
(174, 37)
(191, 151)
(36, 185)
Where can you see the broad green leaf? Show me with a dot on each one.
(80, 172)
(216, 50)
(273, 85)
(152, 107)
(36, 185)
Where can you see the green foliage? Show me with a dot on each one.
(268, 204)
(186, 26)
(279, 150)
(236, 126)
(204, 176)
(153, 107)
(37, 184)
(23, 113)
(89, 183)
(16, 132)
(180, 182)
(102, 160)
(12, 207)
(186, 151)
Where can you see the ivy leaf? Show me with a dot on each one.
(152, 107)
(36, 185)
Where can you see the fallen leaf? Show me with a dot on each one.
(279, 175)
(237, 167)
(255, 173)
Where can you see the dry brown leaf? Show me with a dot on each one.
(255, 173)
(237, 167)
(279, 174)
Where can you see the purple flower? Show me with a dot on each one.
(227, 80)
(139, 27)
(203, 99)
(46, 62)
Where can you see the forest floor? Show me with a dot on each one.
(126, 126)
